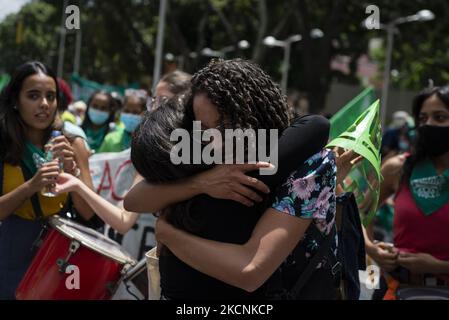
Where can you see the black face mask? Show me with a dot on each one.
(434, 140)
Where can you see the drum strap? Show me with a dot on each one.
(1, 178)
(68, 206)
(34, 198)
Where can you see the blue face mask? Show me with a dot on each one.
(98, 117)
(131, 121)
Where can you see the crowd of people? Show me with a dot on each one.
(224, 231)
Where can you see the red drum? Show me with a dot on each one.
(73, 263)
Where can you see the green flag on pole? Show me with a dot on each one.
(4, 79)
(364, 137)
(349, 113)
(83, 88)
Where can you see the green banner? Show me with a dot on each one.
(347, 115)
(83, 88)
(364, 136)
(4, 79)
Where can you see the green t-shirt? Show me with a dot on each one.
(116, 141)
(96, 138)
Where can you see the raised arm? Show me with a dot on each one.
(304, 137)
(245, 266)
(119, 219)
(147, 197)
(82, 160)
(75, 157)
(221, 182)
(275, 236)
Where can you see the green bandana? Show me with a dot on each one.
(116, 141)
(95, 138)
(430, 190)
(29, 154)
(126, 140)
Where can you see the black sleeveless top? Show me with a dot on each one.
(231, 222)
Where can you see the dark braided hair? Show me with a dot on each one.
(246, 98)
(245, 95)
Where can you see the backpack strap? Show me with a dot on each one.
(351, 245)
(311, 266)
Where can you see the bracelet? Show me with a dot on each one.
(77, 172)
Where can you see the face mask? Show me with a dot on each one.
(434, 139)
(403, 145)
(131, 121)
(98, 117)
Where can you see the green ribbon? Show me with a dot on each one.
(32, 157)
(126, 140)
(95, 137)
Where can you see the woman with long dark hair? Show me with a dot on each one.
(28, 114)
(218, 204)
(420, 183)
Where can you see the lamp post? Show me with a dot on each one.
(208, 52)
(242, 44)
(61, 51)
(286, 45)
(159, 43)
(421, 16)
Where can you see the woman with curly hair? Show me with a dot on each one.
(218, 203)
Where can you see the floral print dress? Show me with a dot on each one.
(309, 193)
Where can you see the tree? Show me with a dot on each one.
(28, 35)
(119, 38)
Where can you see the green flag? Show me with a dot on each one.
(83, 88)
(364, 137)
(349, 113)
(4, 79)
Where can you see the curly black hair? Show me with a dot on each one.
(245, 95)
(246, 98)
